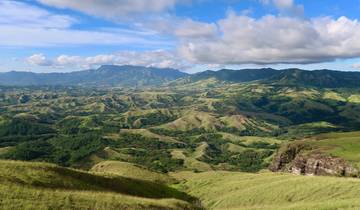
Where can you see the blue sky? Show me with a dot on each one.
(191, 35)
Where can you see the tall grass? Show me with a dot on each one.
(46, 186)
(234, 190)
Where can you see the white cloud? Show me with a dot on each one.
(25, 15)
(23, 25)
(275, 40)
(158, 58)
(286, 6)
(114, 8)
(356, 66)
(38, 60)
(192, 29)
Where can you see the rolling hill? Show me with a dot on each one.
(45, 186)
(199, 133)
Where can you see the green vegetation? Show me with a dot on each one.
(344, 145)
(242, 124)
(265, 190)
(44, 186)
(125, 169)
(195, 128)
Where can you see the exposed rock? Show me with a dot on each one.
(286, 155)
(299, 158)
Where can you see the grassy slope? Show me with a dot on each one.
(235, 190)
(131, 171)
(45, 186)
(149, 134)
(190, 162)
(344, 145)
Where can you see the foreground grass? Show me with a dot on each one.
(45, 186)
(19, 197)
(235, 190)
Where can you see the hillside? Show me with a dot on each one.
(129, 170)
(332, 154)
(165, 129)
(43, 186)
(271, 191)
(138, 142)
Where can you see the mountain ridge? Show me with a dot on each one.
(138, 76)
(106, 75)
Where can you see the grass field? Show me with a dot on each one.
(45, 186)
(130, 170)
(344, 145)
(190, 163)
(270, 191)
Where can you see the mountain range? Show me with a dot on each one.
(138, 76)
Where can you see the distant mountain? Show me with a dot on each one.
(137, 76)
(107, 75)
(319, 78)
(244, 75)
(292, 77)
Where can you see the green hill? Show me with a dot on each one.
(44, 186)
(131, 170)
(335, 154)
(271, 191)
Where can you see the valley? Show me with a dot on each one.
(178, 141)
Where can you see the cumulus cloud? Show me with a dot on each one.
(192, 29)
(39, 60)
(114, 8)
(275, 40)
(158, 58)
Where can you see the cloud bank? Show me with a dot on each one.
(158, 58)
(113, 9)
(285, 38)
(24, 25)
(276, 40)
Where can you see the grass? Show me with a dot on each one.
(130, 170)
(354, 99)
(19, 197)
(331, 95)
(309, 129)
(4, 150)
(271, 191)
(190, 162)
(149, 134)
(344, 145)
(46, 186)
(193, 120)
(200, 151)
(247, 140)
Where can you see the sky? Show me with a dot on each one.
(189, 35)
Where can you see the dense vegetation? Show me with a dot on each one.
(212, 121)
(232, 126)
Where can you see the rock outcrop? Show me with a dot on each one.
(300, 158)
